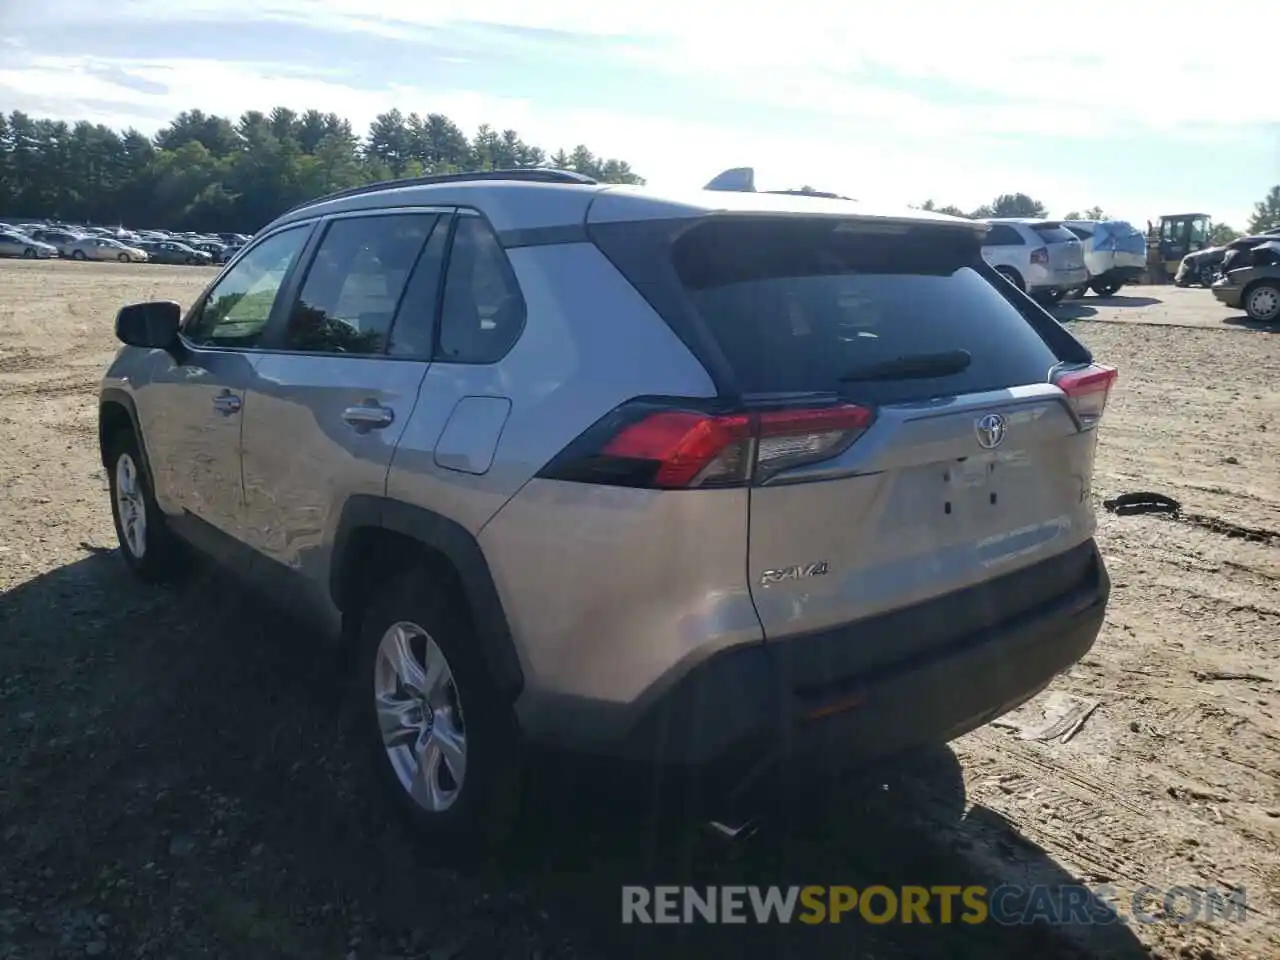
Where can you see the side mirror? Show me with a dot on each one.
(152, 325)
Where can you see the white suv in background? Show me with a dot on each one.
(1039, 257)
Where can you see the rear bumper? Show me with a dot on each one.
(1044, 279)
(878, 686)
(1230, 295)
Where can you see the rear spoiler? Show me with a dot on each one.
(743, 180)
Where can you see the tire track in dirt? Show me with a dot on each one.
(1108, 836)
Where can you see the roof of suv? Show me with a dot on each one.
(533, 202)
(1026, 221)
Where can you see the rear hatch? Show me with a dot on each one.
(1065, 250)
(906, 431)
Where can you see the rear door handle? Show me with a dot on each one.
(369, 415)
(226, 403)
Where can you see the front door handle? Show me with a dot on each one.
(369, 415)
(226, 403)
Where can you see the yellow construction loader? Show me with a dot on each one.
(1171, 239)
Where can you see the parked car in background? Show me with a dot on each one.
(1115, 252)
(216, 251)
(1205, 266)
(15, 244)
(171, 251)
(104, 248)
(63, 240)
(1252, 282)
(1040, 257)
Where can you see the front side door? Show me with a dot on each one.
(193, 406)
(339, 380)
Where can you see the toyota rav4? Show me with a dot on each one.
(706, 483)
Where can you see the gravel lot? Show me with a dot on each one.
(175, 783)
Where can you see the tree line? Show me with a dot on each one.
(1266, 213)
(207, 173)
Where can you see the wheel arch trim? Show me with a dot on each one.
(115, 396)
(457, 545)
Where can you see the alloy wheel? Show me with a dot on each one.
(420, 717)
(131, 506)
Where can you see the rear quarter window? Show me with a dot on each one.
(1003, 235)
(1053, 233)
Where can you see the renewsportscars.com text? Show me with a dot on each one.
(1007, 904)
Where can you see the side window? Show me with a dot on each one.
(483, 312)
(239, 305)
(355, 282)
(1002, 235)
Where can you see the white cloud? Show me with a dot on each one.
(669, 153)
(1105, 61)
(901, 102)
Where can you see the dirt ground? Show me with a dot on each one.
(175, 783)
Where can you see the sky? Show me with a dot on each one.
(1143, 109)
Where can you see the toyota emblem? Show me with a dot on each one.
(991, 430)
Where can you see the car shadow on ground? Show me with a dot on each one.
(1067, 310)
(1243, 320)
(179, 780)
(1120, 300)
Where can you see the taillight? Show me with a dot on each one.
(1040, 255)
(648, 444)
(1087, 388)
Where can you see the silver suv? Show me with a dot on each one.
(707, 482)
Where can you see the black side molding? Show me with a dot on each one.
(462, 550)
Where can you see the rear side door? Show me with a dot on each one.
(339, 381)
(958, 471)
(193, 407)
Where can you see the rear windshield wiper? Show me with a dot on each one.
(914, 366)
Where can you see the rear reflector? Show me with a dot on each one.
(648, 444)
(1087, 388)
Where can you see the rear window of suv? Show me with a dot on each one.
(796, 304)
(1053, 233)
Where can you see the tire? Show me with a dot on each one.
(463, 818)
(29, 253)
(147, 545)
(123, 258)
(1013, 277)
(1105, 288)
(78, 255)
(1262, 302)
(1206, 276)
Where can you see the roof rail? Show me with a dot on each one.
(527, 174)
